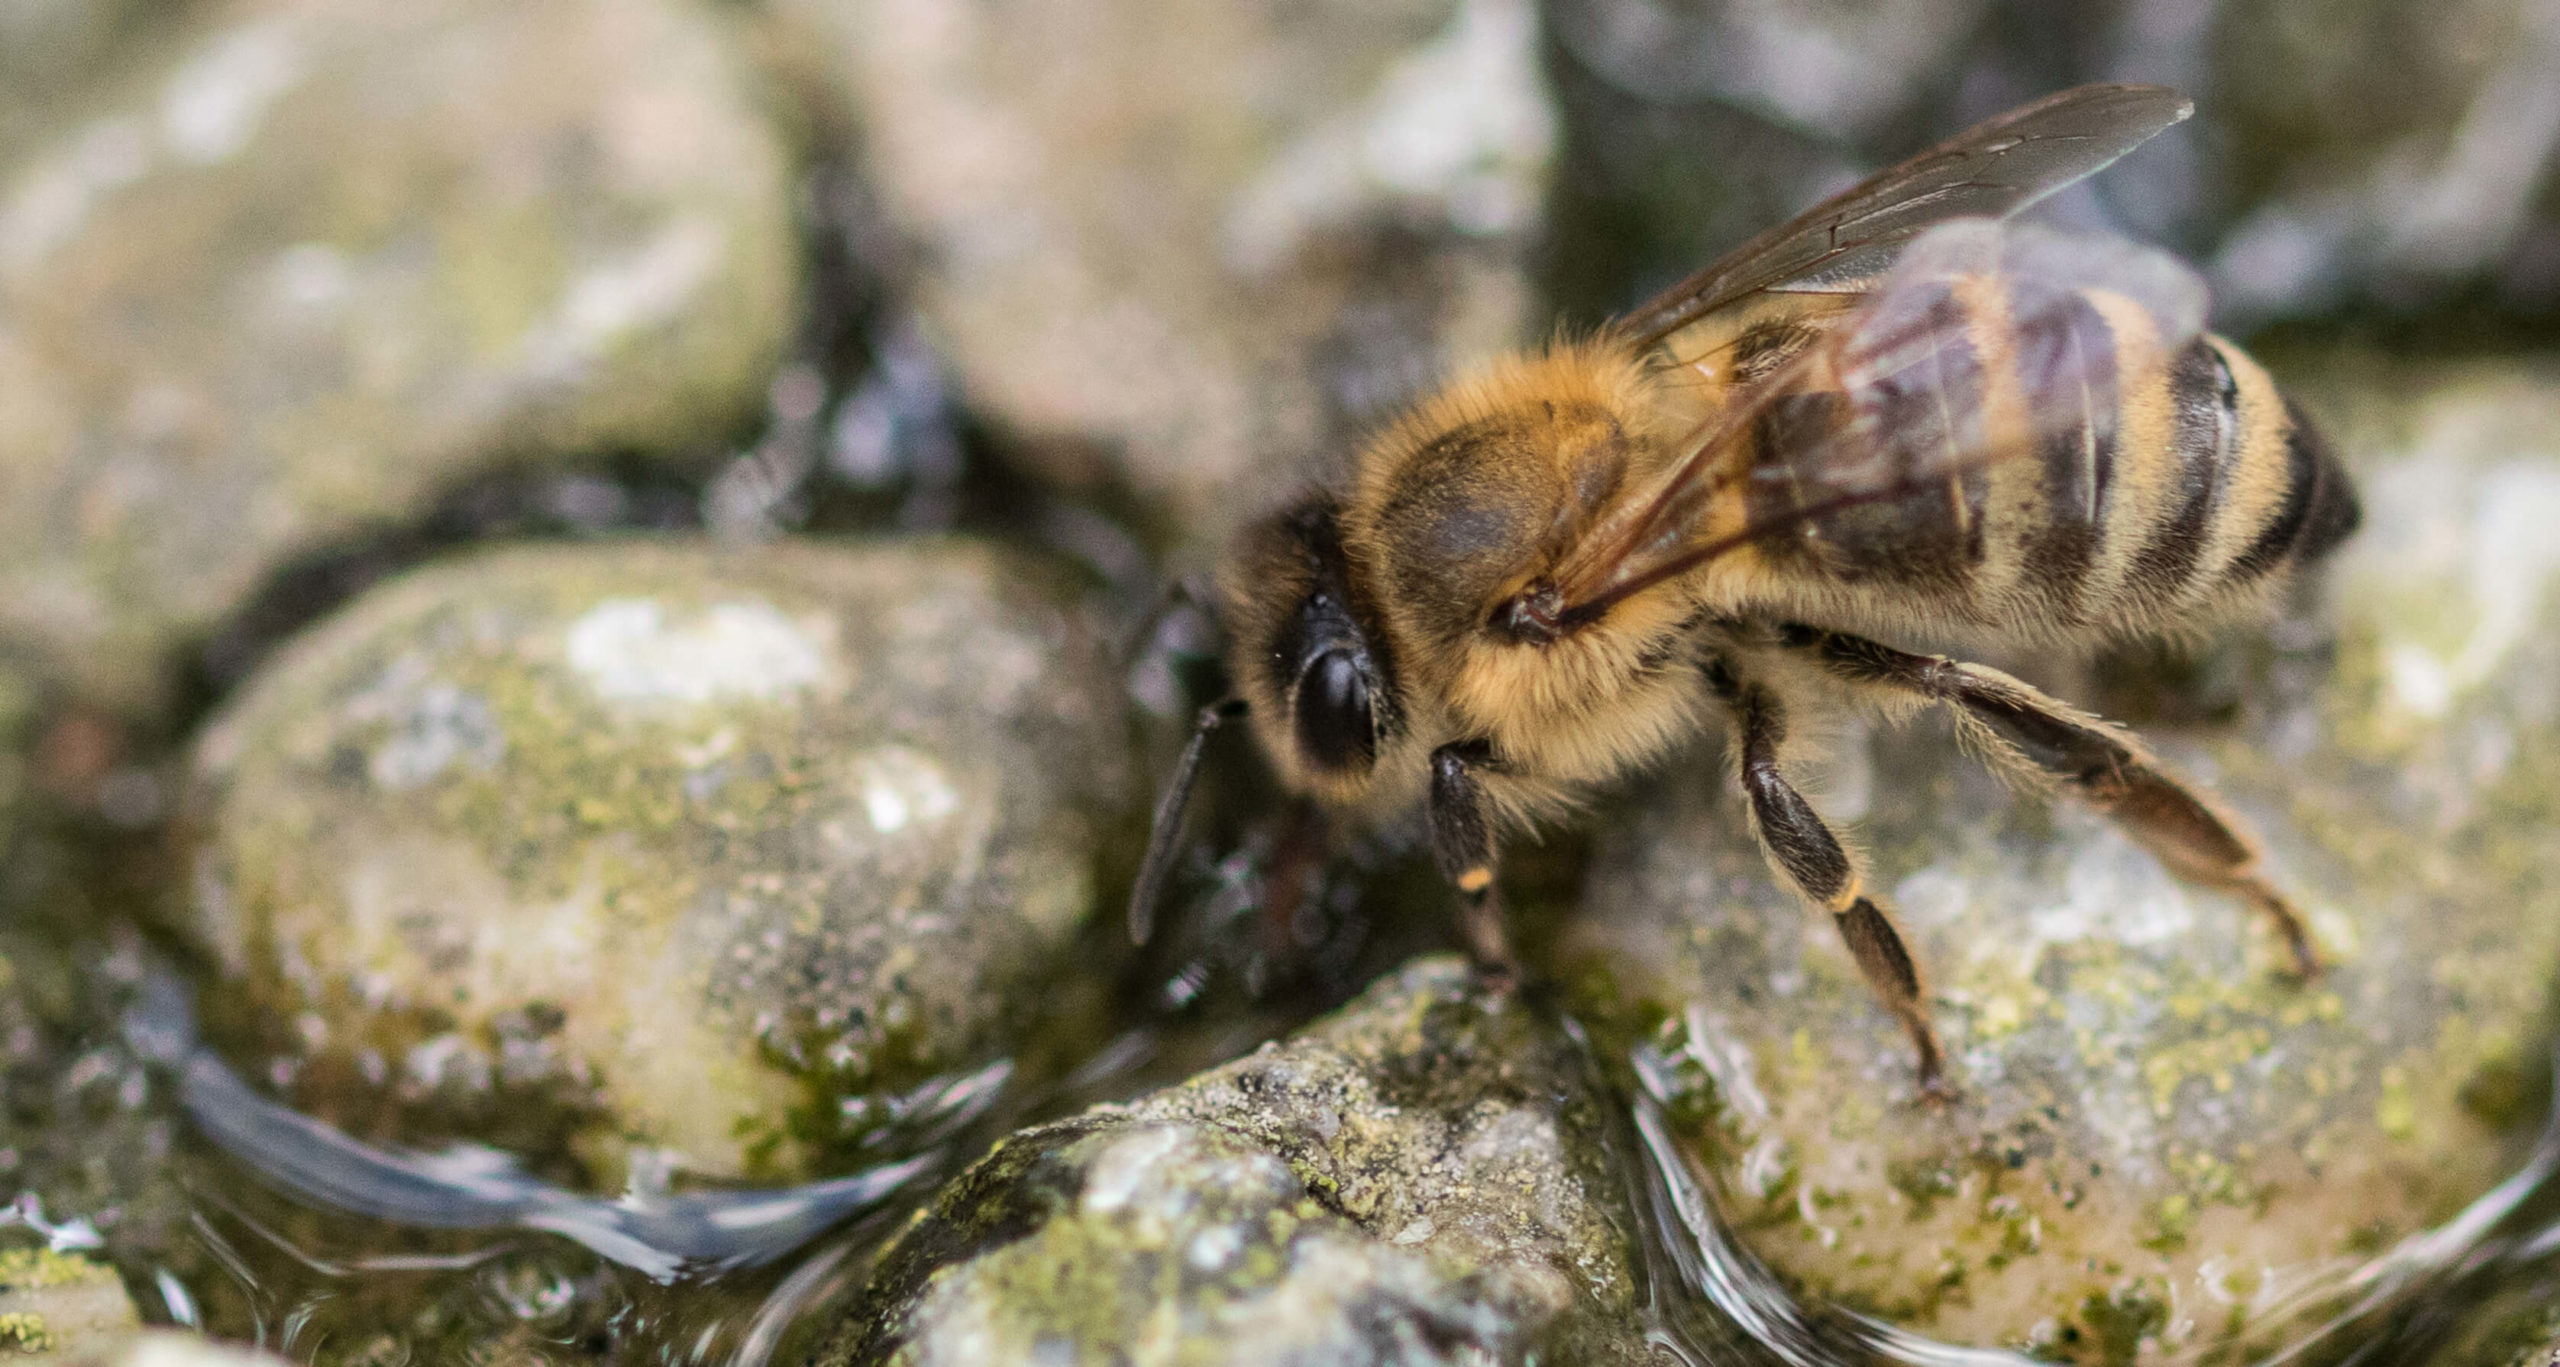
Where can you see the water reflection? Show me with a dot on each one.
(658, 1233)
(472, 1187)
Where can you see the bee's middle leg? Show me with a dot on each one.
(1462, 845)
(1805, 852)
(2046, 738)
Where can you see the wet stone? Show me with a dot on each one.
(1185, 246)
(88, 1129)
(289, 268)
(701, 847)
(61, 1308)
(1419, 1178)
(2164, 1143)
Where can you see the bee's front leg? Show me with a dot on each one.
(1462, 845)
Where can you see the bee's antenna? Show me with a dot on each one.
(1169, 813)
(1190, 593)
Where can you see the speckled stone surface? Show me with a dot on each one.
(712, 841)
(1419, 1178)
(289, 267)
(2163, 1142)
(61, 1308)
(1190, 246)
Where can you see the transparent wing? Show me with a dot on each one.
(1992, 170)
(1985, 339)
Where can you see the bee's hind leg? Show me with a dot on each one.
(1805, 852)
(1462, 845)
(2045, 738)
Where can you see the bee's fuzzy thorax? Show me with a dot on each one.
(1473, 496)
(1568, 375)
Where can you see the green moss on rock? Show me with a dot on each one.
(61, 1303)
(660, 844)
(1420, 1177)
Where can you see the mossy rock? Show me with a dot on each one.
(1234, 237)
(1422, 1177)
(60, 1307)
(693, 846)
(285, 270)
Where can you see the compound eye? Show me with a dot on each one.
(1335, 727)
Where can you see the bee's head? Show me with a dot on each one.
(1306, 652)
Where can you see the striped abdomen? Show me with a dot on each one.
(2137, 489)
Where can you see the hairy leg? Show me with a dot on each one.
(2046, 738)
(1805, 852)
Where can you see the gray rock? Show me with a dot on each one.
(61, 1308)
(298, 265)
(1845, 69)
(2162, 1140)
(1420, 1178)
(1187, 245)
(2375, 152)
(49, 51)
(708, 844)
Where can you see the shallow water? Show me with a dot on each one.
(332, 1250)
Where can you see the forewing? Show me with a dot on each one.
(1991, 170)
(1909, 421)
(1985, 339)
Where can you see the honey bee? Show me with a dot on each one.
(1903, 415)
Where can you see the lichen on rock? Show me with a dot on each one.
(699, 845)
(1423, 1177)
(60, 1307)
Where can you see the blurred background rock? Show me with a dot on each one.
(2346, 158)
